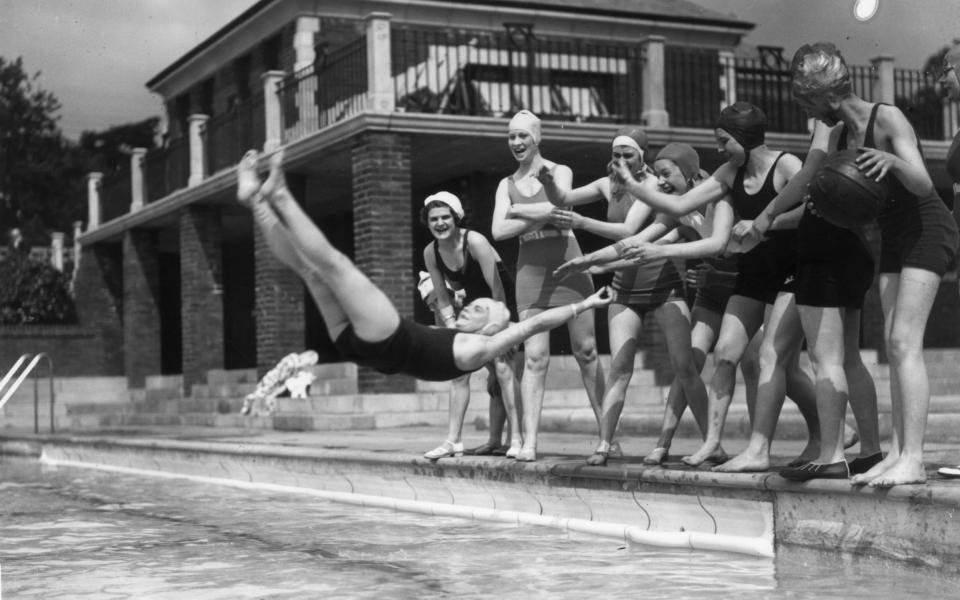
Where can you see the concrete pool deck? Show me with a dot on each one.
(673, 505)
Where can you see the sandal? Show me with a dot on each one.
(615, 450)
(445, 450)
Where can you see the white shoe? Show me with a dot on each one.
(513, 451)
(444, 450)
(951, 472)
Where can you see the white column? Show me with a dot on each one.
(728, 77)
(883, 79)
(304, 42)
(77, 232)
(137, 189)
(380, 95)
(654, 113)
(56, 250)
(195, 125)
(93, 200)
(271, 110)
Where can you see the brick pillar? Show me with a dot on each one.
(383, 231)
(201, 292)
(279, 306)
(98, 295)
(141, 305)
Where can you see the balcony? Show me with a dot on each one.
(495, 73)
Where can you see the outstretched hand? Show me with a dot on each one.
(545, 175)
(564, 219)
(601, 297)
(574, 265)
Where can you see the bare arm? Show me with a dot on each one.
(503, 227)
(495, 345)
(444, 305)
(592, 192)
(905, 161)
(711, 245)
(711, 190)
(824, 137)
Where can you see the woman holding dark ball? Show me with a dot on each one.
(919, 241)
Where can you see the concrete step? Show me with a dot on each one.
(231, 376)
(153, 382)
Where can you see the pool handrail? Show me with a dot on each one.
(36, 393)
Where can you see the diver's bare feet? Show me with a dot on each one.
(248, 182)
(702, 455)
(748, 461)
(275, 180)
(904, 472)
(878, 469)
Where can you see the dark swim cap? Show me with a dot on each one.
(745, 123)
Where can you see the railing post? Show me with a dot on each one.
(271, 110)
(304, 53)
(56, 250)
(93, 199)
(654, 112)
(195, 125)
(883, 85)
(137, 191)
(728, 77)
(380, 96)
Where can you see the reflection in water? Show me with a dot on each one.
(73, 533)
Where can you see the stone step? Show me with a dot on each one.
(164, 382)
(231, 376)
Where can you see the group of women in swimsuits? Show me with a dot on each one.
(767, 271)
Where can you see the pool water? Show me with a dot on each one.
(79, 533)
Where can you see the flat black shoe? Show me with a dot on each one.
(864, 463)
(837, 470)
(500, 450)
(483, 450)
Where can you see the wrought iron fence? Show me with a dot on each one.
(495, 74)
(919, 96)
(322, 94)
(227, 136)
(167, 169)
(115, 194)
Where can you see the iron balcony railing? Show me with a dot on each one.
(166, 169)
(333, 89)
(227, 136)
(116, 193)
(496, 74)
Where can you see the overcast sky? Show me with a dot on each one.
(96, 55)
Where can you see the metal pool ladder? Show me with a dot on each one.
(21, 374)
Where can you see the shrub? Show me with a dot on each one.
(33, 292)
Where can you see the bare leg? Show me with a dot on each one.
(779, 350)
(918, 289)
(367, 308)
(863, 391)
(459, 401)
(889, 289)
(741, 320)
(825, 337)
(536, 361)
(584, 344)
(625, 326)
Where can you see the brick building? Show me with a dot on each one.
(378, 103)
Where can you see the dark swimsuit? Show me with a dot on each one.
(768, 268)
(470, 279)
(915, 231)
(835, 267)
(412, 349)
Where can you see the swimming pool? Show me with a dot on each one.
(78, 533)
